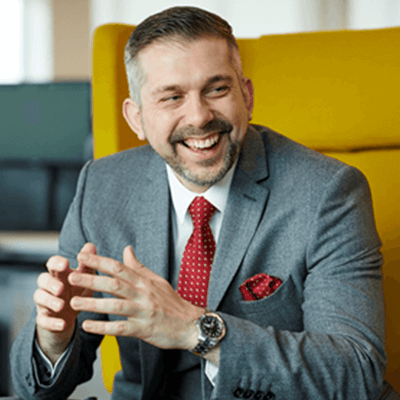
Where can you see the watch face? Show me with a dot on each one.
(211, 327)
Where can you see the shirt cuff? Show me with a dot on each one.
(211, 372)
(50, 370)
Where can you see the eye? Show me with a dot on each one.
(221, 88)
(172, 98)
(218, 91)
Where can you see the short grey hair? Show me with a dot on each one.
(180, 23)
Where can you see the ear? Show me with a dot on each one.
(131, 112)
(249, 95)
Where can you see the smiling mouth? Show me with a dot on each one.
(203, 144)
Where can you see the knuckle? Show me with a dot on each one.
(118, 268)
(37, 296)
(120, 328)
(118, 306)
(42, 321)
(115, 285)
(39, 319)
(53, 261)
(57, 305)
(42, 278)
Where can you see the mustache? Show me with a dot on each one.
(215, 125)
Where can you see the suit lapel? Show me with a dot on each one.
(153, 251)
(153, 230)
(246, 204)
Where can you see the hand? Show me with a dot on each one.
(155, 312)
(55, 318)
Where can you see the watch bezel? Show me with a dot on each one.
(205, 341)
(221, 325)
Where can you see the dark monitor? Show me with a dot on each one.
(45, 121)
(43, 132)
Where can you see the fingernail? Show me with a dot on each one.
(56, 305)
(59, 325)
(76, 278)
(88, 325)
(54, 288)
(77, 302)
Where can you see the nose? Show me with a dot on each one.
(198, 112)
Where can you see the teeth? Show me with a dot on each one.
(203, 144)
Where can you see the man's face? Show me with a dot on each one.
(195, 108)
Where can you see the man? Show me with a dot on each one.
(289, 233)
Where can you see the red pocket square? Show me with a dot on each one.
(259, 286)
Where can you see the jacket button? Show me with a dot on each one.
(269, 396)
(238, 393)
(248, 394)
(259, 395)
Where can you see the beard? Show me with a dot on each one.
(210, 177)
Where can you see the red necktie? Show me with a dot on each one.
(194, 275)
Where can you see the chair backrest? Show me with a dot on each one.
(336, 92)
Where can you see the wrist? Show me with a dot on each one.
(52, 344)
(193, 330)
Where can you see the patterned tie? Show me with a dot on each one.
(194, 275)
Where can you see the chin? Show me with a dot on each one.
(210, 176)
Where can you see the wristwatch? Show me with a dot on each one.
(211, 331)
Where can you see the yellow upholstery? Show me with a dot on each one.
(336, 92)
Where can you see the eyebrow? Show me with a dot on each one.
(219, 78)
(210, 81)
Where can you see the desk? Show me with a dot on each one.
(18, 398)
(27, 247)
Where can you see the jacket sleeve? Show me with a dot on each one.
(340, 352)
(77, 367)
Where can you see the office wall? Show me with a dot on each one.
(71, 39)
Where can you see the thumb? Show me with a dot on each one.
(130, 259)
(132, 262)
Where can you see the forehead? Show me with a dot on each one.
(185, 63)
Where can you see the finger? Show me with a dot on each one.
(132, 262)
(58, 267)
(45, 300)
(103, 284)
(130, 259)
(50, 323)
(88, 248)
(104, 306)
(50, 283)
(108, 266)
(113, 328)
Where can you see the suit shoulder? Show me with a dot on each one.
(133, 156)
(284, 154)
(115, 174)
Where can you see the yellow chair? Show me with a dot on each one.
(336, 92)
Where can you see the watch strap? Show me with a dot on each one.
(203, 347)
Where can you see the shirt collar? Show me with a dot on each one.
(182, 197)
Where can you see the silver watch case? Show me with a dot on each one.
(211, 331)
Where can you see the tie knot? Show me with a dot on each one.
(201, 211)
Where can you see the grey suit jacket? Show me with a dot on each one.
(291, 213)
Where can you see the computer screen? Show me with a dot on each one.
(45, 121)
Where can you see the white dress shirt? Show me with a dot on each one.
(182, 224)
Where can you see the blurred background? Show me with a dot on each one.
(45, 118)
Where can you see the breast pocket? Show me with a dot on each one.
(282, 309)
